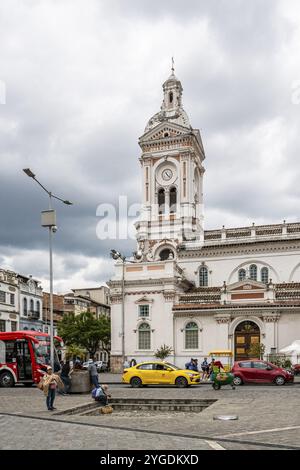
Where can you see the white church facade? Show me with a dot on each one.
(191, 289)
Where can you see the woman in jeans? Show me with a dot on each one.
(50, 383)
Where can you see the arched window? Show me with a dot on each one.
(203, 277)
(171, 97)
(161, 201)
(173, 199)
(25, 306)
(253, 272)
(144, 333)
(242, 274)
(264, 275)
(191, 336)
(31, 305)
(166, 254)
(38, 307)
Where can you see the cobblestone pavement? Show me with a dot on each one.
(268, 418)
(26, 433)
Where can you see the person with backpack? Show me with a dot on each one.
(192, 365)
(205, 369)
(100, 394)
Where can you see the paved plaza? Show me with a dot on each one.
(268, 418)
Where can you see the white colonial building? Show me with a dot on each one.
(9, 301)
(31, 303)
(191, 289)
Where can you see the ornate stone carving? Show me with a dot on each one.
(271, 317)
(222, 319)
(169, 296)
(116, 299)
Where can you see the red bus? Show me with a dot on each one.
(24, 356)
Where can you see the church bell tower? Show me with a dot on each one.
(172, 172)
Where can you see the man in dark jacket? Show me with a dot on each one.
(192, 365)
(93, 372)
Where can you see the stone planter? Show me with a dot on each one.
(80, 382)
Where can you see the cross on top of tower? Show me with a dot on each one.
(172, 68)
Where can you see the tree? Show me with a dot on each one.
(163, 352)
(85, 331)
(257, 350)
(74, 351)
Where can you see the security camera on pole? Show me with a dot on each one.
(49, 220)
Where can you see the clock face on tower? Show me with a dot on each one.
(167, 174)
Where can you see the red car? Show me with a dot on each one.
(296, 369)
(256, 371)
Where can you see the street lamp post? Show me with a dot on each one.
(49, 220)
(116, 255)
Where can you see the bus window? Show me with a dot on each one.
(2, 352)
(7, 351)
(10, 347)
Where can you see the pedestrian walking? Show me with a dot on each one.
(205, 369)
(50, 383)
(92, 368)
(65, 375)
(126, 364)
(132, 362)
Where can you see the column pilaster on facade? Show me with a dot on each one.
(271, 337)
(167, 202)
(284, 228)
(223, 233)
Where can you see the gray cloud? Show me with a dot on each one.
(83, 81)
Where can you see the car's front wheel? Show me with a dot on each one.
(237, 380)
(135, 382)
(279, 380)
(181, 382)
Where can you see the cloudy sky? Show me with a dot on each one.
(81, 79)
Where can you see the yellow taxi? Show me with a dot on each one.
(162, 373)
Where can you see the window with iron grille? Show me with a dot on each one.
(242, 274)
(12, 299)
(203, 277)
(13, 325)
(143, 310)
(191, 336)
(2, 296)
(253, 272)
(2, 325)
(144, 333)
(265, 275)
